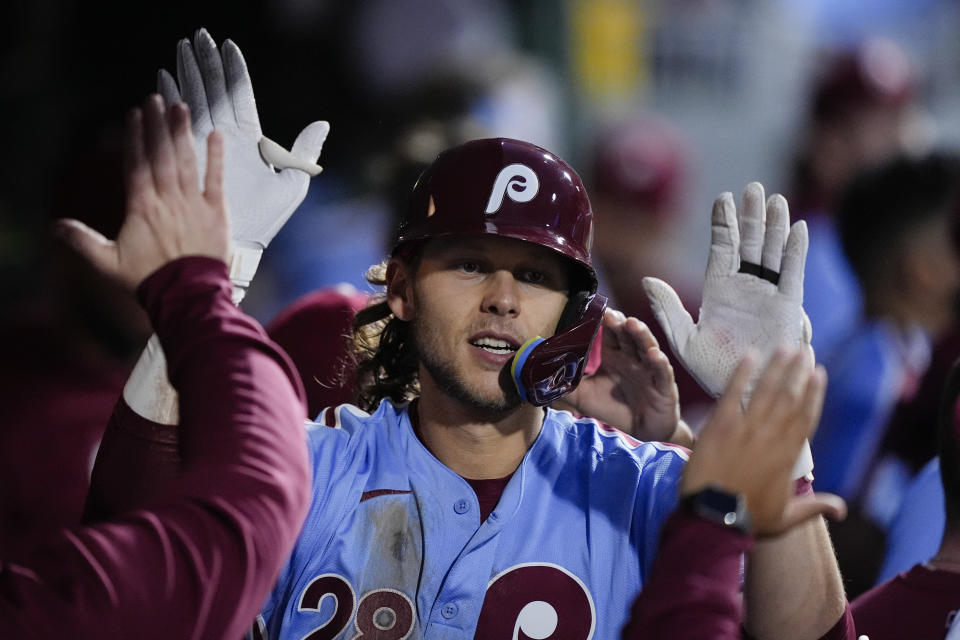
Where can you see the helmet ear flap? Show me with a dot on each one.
(546, 369)
(576, 305)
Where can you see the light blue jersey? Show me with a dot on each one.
(393, 546)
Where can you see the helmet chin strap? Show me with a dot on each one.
(544, 369)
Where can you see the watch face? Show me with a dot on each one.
(720, 501)
(717, 505)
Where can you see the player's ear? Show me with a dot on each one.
(400, 289)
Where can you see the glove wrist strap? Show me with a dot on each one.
(243, 266)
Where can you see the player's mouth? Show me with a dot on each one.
(499, 347)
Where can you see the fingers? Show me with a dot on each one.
(669, 311)
(636, 337)
(191, 88)
(780, 388)
(179, 117)
(806, 333)
(724, 255)
(310, 141)
(214, 81)
(302, 156)
(794, 259)
(240, 88)
(612, 321)
(279, 158)
(752, 216)
(802, 508)
(213, 188)
(159, 146)
(629, 334)
(728, 406)
(136, 169)
(796, 406)
(167, 88)
(775, 236)
(90, 244)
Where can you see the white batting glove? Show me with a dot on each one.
(216, 86)
(752, 294)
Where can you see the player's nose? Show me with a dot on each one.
(501, 295)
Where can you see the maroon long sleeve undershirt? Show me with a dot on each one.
(198, 560)
(694, 587)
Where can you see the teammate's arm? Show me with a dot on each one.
(694, 586)
(199, 562)
(753, 298)
(139, 452)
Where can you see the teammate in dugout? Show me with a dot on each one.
(198, 560)
(462, 506)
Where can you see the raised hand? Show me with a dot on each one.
(634, 388)
(216, 85)
(752, 294)
(167, 215)
(749, 451)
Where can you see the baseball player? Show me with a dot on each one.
(199, 560)
(453, 502)
(922, 601)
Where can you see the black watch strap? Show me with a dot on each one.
(720, 506)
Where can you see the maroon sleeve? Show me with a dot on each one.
(199, 561)
(694, 587)
(137, 459)
(844, 629)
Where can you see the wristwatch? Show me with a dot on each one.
(718, 505)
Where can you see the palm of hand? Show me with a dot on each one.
(741, 310)
(634, 387)
(626, 388)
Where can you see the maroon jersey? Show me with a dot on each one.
(315, 331)
(199, 559)
(56, 401)
(919, 604)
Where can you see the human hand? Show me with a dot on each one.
(216, 85)
(634, 388)
(749, 451)
(167, 215)
(752, 294)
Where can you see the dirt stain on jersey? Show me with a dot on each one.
(396, 548)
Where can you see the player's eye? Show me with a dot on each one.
(467, 266)
(532, 276)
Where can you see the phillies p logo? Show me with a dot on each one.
(517, 181)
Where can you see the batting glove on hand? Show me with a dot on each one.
(216, 86)
(752, 294)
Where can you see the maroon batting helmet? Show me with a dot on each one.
(510, 188)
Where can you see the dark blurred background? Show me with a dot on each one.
(733, 75)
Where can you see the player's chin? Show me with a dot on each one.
(508, 388)
(494, 397)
